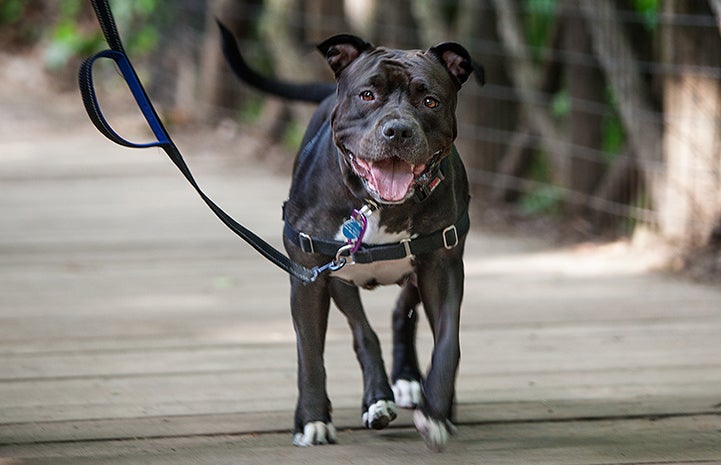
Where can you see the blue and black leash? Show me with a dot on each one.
(117, 54)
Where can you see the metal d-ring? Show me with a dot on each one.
(337, 264)
(342, 253)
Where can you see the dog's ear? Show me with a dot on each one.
(341, 50)
(458, 62)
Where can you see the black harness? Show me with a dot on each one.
(447, 238)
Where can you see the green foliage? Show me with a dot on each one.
(70, 37)
(293, 136)
(561, 104)
(649, 10)
(614, 132)
(67, 39)
(251, 110)
(614, 136)
(538, 22)
(545, 198)
(138, 22)
(15, 31)
(11, 11)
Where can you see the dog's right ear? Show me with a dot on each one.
(341, 50)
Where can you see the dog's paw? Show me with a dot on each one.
(379, 414)
(315, 433)
(407, 393)
(434, 432)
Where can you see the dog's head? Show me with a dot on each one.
(395, 114)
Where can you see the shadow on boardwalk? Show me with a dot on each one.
(135, 329)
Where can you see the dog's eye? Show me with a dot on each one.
(430, 102)
(367, 96)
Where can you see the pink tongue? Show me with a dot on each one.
(392, 178)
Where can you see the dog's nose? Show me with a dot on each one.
(397, 130)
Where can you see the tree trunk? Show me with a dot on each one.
(716, 7)
(395, 25)
(586, 91)
(614, 50)
(529, 82)
(284, 30)
(324, 18)
(220, 90)
(486, 122)
(691, 205)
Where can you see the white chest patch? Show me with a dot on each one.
(377, 273)
(370, 275)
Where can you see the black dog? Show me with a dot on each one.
(379, 186)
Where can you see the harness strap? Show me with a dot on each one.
(447, 238)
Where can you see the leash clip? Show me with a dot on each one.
(334, 265)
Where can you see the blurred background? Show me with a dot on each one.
(599, 119)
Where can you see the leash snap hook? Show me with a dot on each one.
(334, 265)
(337, 264)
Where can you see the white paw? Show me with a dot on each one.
(315, 433)
(379, 414)
(407, 393)
(434, 432)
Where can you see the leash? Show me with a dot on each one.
(117, 54)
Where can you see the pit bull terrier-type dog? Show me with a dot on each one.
(379, 186)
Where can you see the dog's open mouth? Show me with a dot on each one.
(392, 178)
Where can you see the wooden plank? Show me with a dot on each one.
(176, 381)
(487, 354)
(253, 422)
(676, 440)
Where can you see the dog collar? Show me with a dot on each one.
(428, 181)
(445, 238)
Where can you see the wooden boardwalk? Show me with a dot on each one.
(135, 329)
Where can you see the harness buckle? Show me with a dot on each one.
(450, 237)
(306, 243)
(407, 247)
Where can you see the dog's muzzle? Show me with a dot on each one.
(391, 180)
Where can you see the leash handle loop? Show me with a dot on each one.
(92, 106)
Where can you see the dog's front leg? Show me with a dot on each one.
(406, 376)
(440, 282)
(309, 308)
(378, 408)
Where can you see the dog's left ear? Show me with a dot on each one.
(342, 49)
(458, 62)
